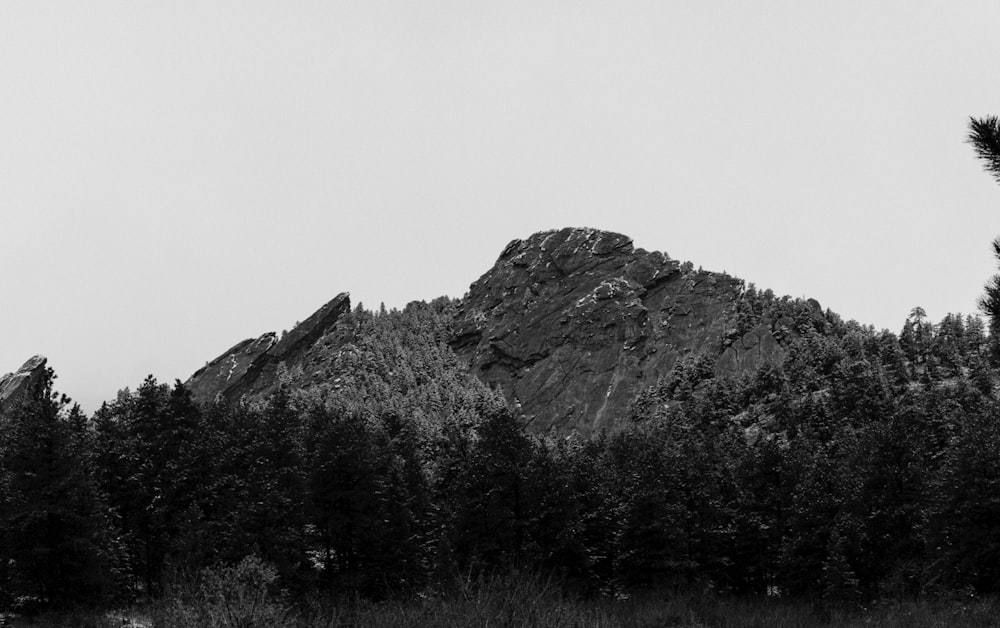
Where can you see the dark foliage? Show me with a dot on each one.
(863, 465)
(54, 550)
(984, 136)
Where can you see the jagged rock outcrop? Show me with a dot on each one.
(251, 367)
(573, 323)
(23, 382)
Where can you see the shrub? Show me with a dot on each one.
(235, 596)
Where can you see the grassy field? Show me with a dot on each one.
(519, 602)
(619, 614)
(625, 614)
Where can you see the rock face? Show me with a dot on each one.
(572, 324)
(250, 368)
(23, 382)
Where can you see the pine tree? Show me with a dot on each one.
(984, 135)
(264, 457)
(839, 582)
(989, 304)
(345, 472)
(964, 527)
(491, 498)
(52, 546)
(154, 470)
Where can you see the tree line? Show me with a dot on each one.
(865, 464)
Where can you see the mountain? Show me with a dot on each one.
(22, 382)
(573, 323)
(569, 324)
(251, 367)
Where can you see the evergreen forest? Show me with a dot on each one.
(864, 467)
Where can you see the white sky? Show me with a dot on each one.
(176, 176)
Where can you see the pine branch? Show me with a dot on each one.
(984, 135)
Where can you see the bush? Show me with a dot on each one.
(236, 596)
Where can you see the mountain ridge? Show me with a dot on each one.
(250, 367)
(570, 324)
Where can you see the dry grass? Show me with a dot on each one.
(504, 608)
(513, 601)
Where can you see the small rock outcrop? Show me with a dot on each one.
(251, 367)
(572, 324)
(23, 382)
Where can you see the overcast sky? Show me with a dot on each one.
(177, 176)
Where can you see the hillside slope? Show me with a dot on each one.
(573, 323)
(570, 325)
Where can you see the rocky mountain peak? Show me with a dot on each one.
(251, 367)
(23, 382)
(573, 323)
(569, 246)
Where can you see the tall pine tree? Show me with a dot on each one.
(52, 545)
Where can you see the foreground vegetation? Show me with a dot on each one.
(510, 600)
